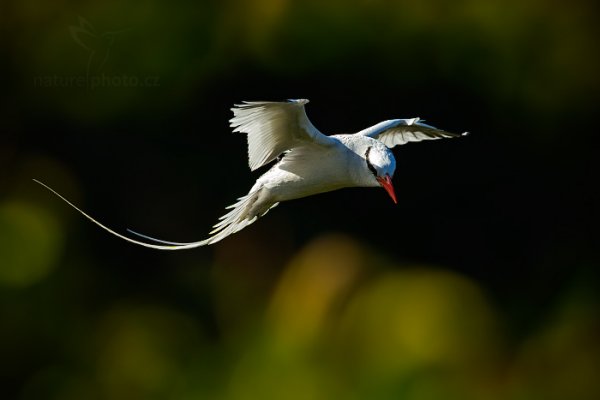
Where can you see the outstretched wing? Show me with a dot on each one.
(396, 132)
(274, 127)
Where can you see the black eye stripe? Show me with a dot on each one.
(369, 165)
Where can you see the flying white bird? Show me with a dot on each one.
(309, 162)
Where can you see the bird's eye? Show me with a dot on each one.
(369, 165)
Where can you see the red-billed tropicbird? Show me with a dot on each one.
(309, 162)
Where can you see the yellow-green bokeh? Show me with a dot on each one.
(31, 241)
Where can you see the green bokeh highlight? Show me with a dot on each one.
(31, 242)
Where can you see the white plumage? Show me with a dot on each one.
(310, 162)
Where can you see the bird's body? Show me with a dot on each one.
(300, 173)
(309, 162)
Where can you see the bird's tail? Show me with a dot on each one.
(243, 213)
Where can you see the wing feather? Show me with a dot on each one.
(274, 127)
(401, 131)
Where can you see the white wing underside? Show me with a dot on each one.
(274, 127)
(401, 131)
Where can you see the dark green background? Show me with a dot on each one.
(480, 284)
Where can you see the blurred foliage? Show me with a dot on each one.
(22, 223)
(481, 284)
(341, 322)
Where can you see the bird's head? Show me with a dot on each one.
(381, 164)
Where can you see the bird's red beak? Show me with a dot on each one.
(386, 183)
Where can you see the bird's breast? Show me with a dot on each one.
(295, 179)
